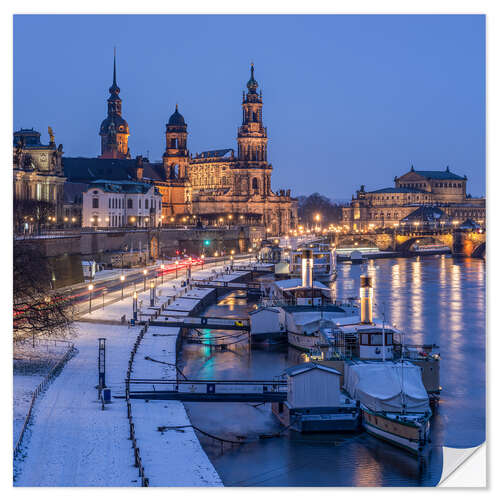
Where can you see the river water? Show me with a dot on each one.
(434, 299)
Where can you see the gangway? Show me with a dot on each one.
(229, 285)
(221, 391)
(210, 322)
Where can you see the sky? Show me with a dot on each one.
(348, 99)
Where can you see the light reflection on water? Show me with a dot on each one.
(434, 300)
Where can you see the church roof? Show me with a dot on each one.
(176, 118)
(90, 169)
(215, 153)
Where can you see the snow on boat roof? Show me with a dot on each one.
(353, 324)
(292, 283)
(305, 367)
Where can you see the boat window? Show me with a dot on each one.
(364, 338)
(376, 339)
(389, 338)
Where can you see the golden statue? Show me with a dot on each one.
(51, 134)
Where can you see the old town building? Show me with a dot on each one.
(211, 188)
(38, 181)
(121, 204)
(390, 207)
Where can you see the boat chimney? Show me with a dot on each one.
(366, 294)
(307, 268)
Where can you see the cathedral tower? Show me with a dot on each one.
(176, 156)
(254, 173)
(114, 130)
(252, 135)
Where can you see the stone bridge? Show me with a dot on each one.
(460, 242)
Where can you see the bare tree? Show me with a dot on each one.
(39, 311)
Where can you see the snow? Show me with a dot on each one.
(72, 442)
(31, 365)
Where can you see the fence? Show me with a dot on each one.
(137, 454)
(43, 384)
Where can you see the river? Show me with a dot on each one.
(434, 299)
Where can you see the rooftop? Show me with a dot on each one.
(397, 190)
(121, 186)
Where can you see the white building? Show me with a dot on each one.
(121, 204)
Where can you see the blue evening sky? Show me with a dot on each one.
(348, 100)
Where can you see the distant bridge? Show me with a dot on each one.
(460, 242)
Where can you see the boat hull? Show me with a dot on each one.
(310, 420)
(412, 437)
(303, 342)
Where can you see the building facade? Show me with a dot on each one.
(121, 204)
(388, 207)
(212, 188)
(38, 181)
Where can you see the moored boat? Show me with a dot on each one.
(394, 402)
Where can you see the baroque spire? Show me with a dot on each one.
(114, 89)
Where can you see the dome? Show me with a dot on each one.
(121, 126)
(176, 118)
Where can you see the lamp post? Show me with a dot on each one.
(176, 268)
(134, 306)
(202, 260)
(152, 293)
(145, 272)
(91, 287)
(162, 271)
(122, 279)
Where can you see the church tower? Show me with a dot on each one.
(252, 135)
(176, 156)
(114, 130)
(254, 173)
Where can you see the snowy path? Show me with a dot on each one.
(72, 442)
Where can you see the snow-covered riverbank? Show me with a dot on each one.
(72, 442)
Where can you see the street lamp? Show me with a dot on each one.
(162, 271)
(145, 272)
(176, 268)
(91, 287)
(152, 293)
(134, 306)
(122, 279)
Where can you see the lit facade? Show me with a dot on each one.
(387, 207)
(38, 180)
(121, 204)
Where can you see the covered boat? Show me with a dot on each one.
(393, 400)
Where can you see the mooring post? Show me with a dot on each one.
(102, 366)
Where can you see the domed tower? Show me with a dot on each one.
(114, 130)
(252, 135)
(176, 156)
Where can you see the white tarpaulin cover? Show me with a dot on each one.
(387, 386)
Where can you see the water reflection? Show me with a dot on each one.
(434, 300)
